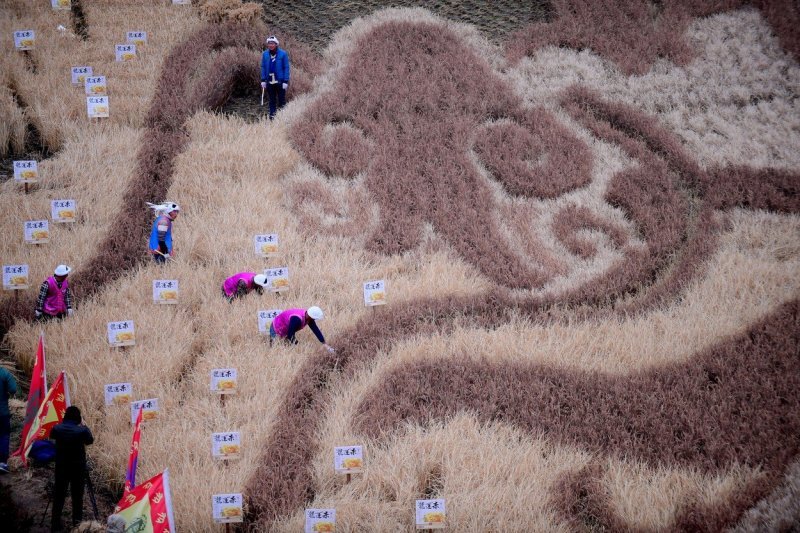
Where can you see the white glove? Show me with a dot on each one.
(263, 85)
(37, 313)
(166, 256)
(285, 86)
(329, 348)
(69, 312)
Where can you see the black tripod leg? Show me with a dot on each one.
(46, 507)
(49, 501)
(91, 496)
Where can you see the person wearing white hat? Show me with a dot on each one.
(275, 74)
(161, 234)
(242, 283)
(55, 299)
(289, 322)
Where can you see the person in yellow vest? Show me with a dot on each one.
(55, 299)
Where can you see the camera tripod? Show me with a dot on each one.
(87, 479)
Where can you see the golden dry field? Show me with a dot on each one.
(587, 218)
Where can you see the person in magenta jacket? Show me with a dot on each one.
(289, 322)
(55, 298)
(242, 283)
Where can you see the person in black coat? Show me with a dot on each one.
(71, 438)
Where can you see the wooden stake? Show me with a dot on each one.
(26, 187)
(347, 479)
(222, 400)
(227, 528)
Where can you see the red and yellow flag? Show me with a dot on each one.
(50, 413)
(148, 507)
(35, 396)
(133, 458)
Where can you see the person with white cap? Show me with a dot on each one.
(55, 299)
(289, 322)
(161, 234)
(275, 74)
(242, 283)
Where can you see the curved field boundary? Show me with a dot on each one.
(199, 73)
(635, 34)
(734, 404)
(664, 195)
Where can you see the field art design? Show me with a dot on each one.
(587, 216)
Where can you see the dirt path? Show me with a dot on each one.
(25, 493)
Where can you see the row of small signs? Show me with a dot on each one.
(227, 508)
(26, 40)
(165, 291)
(38, 231)
(223, 381)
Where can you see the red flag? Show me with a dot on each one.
(133, 458)
(35, 395)
(50, 413)
(148, 507)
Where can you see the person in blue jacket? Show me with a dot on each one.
(161, 234)
(8, 388)
(275, 74)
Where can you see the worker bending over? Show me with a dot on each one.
(289, 322)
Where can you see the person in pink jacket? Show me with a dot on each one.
(242, 283)
(55, 299)
(289, 322)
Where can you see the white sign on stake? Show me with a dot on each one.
(37, 232)
(24, 39)
(265, 318)
(62, 211)
(375, 293)
(125, 52)
(348, 459)
(15, 277)
(227, 445)
(26, 171)
(97, 106)
(430, 514)
(118, 394)
(136, 37)
(227, 508)
(320, 520)
(266, 245)
(149, 411)
(121, 333)
(277, 279)
(78, 75)
(61, 4)
(224, 380)
(165, 291)
(95, 85)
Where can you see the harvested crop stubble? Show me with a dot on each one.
(635, 34)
